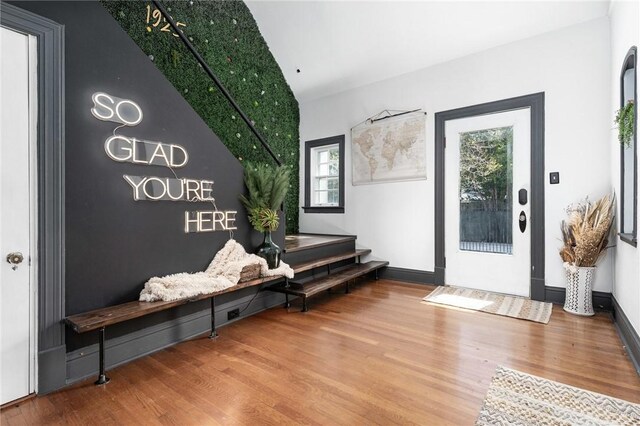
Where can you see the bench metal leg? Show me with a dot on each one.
(102, 377)
(376, 275)
(346, 287)
(287, 304)
(214, 333)
(305, 308)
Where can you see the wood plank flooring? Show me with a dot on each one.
(375, 356)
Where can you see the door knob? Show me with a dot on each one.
(15, 259)
(522, 221)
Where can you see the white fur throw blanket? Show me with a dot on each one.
(222, 273)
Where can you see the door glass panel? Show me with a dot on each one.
(486, 169)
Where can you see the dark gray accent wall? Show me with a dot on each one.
(407, 275)
(630, 338)
(536, 103)
(113, 244)
(51, 191)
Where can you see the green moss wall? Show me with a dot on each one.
(228, 38)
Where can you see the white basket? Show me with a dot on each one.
(578, 299)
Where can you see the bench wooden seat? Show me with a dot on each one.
(317, 285)
(99, 318)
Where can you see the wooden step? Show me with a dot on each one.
(306, 266)
(318, 285)
(300, 242)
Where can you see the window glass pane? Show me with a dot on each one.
(332, 183)
(323, 156)
(323, 170)
(333, 196)
(486, 190)
(333, 169)
(321, 183)
(334, 154)
(321, 197)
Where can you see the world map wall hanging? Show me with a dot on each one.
(389, 149)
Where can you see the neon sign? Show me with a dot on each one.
(110, 108)
(132, 150)
(169, 189)
(124, 149)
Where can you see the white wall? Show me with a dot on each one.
(395, 220)
(625, 32)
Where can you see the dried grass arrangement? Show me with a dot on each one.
(586, 232)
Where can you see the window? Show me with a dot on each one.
(324, 175)
(628, 154)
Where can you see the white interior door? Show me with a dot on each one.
(17, 232)
(487, 164)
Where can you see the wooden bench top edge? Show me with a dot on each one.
(102, 317)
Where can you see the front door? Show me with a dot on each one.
(487, 185)
(17, 225)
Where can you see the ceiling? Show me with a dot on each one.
(339, 45)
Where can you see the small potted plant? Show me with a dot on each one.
(585, 235)
(267, 187)
(625, 120)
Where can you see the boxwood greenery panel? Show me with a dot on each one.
(228, 38)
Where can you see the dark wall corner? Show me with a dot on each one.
(629, 337)
(52, 369)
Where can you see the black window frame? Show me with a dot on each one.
(630, 62)
(308, 146)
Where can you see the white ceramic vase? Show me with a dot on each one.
(578, 299)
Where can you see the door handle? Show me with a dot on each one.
(15, 259)
(522, 221)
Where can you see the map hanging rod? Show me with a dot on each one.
(377, 117)
(374, 118)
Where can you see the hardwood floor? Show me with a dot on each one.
(375, 356)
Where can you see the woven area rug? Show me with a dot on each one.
(516, 398)
(493, 303)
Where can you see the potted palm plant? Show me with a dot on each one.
(585, 235)
(267, 187)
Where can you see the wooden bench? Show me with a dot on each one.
(317, 285)
(99, 319)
